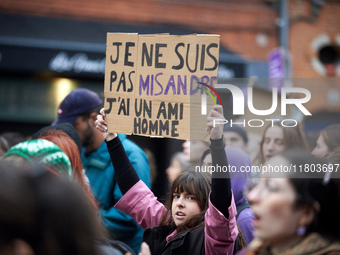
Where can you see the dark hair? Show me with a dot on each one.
(194, 183)
(331, 136)
(237, 129)
(65, 127)
(67, 144)
(9, 139)
(49, 213)
(316, 189)
(334, 156)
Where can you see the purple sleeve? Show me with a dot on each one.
(244, 221)
(220, 232)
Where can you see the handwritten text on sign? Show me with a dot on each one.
(150, 79)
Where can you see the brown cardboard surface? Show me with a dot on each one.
(151, 83)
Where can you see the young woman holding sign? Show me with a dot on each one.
(194, 220)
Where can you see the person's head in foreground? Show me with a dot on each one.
(32, 152)
(295, 211)
(277, 139)
(9, 139)
(44, 214)
(328, 141)
(68, 145)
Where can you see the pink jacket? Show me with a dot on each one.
(220, 233)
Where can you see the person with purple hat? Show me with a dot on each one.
(80, 108)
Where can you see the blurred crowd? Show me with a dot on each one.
(73, 188)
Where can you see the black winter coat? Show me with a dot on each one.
(187, 243)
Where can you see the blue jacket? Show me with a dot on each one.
(102, 179)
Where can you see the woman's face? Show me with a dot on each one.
(273, 142)
(321, 149)
(272, 201)
(184, 206)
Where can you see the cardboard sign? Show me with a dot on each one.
(151, 83)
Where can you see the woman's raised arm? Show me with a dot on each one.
(126, 175)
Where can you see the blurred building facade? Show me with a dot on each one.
(249, 28)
